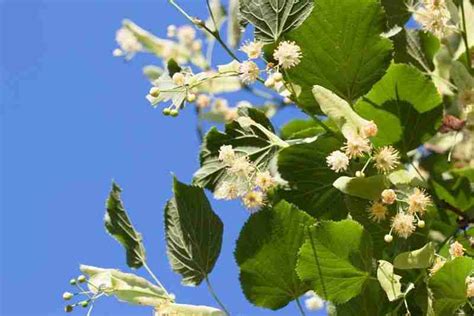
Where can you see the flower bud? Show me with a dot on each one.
(370, 129)
(81, 278)
(154, 92)
(67, 296)
(178, 79)
(270, 82)
(166, 111)
(360, 174)
(68, 308)
(73, 281)
(388, 238)
(388, 196)
(191, 97)
(277, 76)
(421, 223)
(174, 113)
(84, 303)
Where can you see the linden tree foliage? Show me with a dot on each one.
(353, 159)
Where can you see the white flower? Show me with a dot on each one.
(456, 249)
(370, 129)
(386, 159)
(252, 49)
(226, 154)
(179, 79)
(313, 302)
(253, 199)
(171, 31)
(434, 17)
(388, 196)
(241, 166)
(249, 72)
(418, 201)
(356, 146)
(203, 101)
(186, 34)
(288, 54)
(377, 212)
(127, 42)
(438, 264)
(470, 287)
(337, 161)
(227, 191)
(264, 180)
(403, 225)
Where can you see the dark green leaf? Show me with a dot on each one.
(249, 141)
(120, 227)
(342, 49)
(448, 285)
(272, 18)
(173, 67)
(402, 102)
(337, 258)
(396, 11)
(456, 192)
(310, 179)
(193, 233)
(266, 252)
(364, 304)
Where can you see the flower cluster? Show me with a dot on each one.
(243, 179)
(434, 17)
(127, 42)
(313, 302)
(409, 210)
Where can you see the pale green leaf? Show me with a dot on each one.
(272, 18)
(417, 259)
(187, 310)
(449, 287)
(126, 287)
(234, 30)
(120, 227)
(402, 102)
(342, 49)
(337, 258)
(193, 233)
(389, 281)
(368, 188)
(266, 253)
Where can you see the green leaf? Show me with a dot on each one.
(266, 253)
(188, 310)
(364, 304)
(456, 192)
(339, 111)
(272, 18)
(310, 179)
(257, 141)
(369, 188)
(298, 128)
(448, 285)
(193, 233)
(342, 49)
(120, 227)
(396, 11)
(417, 259)
(337, 258)
(403, 101)
(126, 287)
(415, 47)
(389, 281)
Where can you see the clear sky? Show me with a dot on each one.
(72, 119)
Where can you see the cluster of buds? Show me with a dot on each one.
(410, 208)
(128, 43)
(243, 179)
(80, 291)
(358, 145)
(434, 17)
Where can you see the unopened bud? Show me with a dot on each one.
(198, 22)
(451, 123)
(270, 82)
(166, 111)
(178, 79)
(388, 238)
(278, 76)
(73, 282)
(191, 97)
(171, 31)
(421, 223)
(154, 92)
(174, 113)
(68, 308)
(67, 296)
(81, 278)
(370, 129)
(360, 174)
(84, 303)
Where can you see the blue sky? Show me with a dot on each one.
(72, 119)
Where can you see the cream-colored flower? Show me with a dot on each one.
(403, 225)
(227, 191)
(241, 166)
(186, 34)
(337, 161)
(203, 101)
(171, 30)
(313, 301)
(418, 201)
(226, 154)
(377, 212)
(388, 196)
(249, 72)
(288, 54)
(179, 79)
(370, 129)
(470, 287)
(356, 146)
(438, 264)
(434, 17)
(253, 199)
(386, 159)
(264, 180)
(231, 114)
(127, 42)
(252, 49)
(456, 249)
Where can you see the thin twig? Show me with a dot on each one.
(214, 295)
(300, 307)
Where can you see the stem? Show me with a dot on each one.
(214, 295)
(317, 263)
(300, 307)
(199, 129)
(464, 36)
(153, 276)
